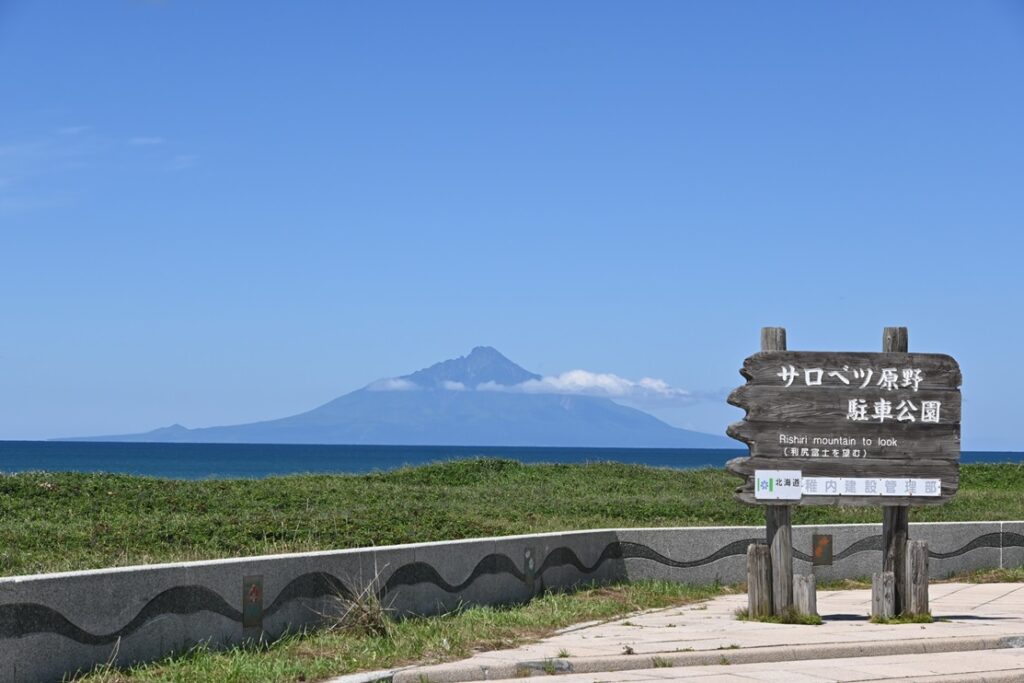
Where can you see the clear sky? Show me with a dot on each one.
(221, 212)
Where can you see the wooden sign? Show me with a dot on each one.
(848, 428)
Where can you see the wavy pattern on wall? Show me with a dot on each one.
(310, 587)
(999, 539)
(421, 572)
(860, 546)
(996, 539)
(23, 619)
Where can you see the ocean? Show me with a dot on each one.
(203, 461)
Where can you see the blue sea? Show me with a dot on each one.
(202, 461)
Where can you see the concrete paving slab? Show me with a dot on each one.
(884, 669)
(829, 672)
(785, 676)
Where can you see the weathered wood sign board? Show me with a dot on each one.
(848, 428)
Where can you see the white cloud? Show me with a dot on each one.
(601, 384)
(144, 141)
(589, 383)
(646, 390)
(393, 384)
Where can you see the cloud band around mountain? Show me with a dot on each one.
(393, 384)
(583, 382)
(604, 384)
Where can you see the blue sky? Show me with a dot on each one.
(221, 212)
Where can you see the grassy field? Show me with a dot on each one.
(53, 522)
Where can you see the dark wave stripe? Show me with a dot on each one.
(22, 619)
(310, 586)
(1011, 539)
(637, 550)
(863, 545)
(1004, 539)
(564, 556)
(421, 572)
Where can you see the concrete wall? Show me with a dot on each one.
(53, 624)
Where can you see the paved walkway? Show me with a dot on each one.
(978, 634)
(977, 665)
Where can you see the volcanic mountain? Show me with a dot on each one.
(476, 400)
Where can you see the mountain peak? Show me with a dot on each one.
(483, 364)
(393, 411)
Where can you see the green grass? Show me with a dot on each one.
(1011, 575)
(321, 654)
(844, 584)
(904, 619)
(65, 521)
(790, 617)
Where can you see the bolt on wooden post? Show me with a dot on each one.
(848, 428)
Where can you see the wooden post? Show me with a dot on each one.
(883, 604)
(780, 544)
(773, 338)
(805, 596)
(895, 518)
(778, 527)
(894, 547)
(916, 589)
(759, 581)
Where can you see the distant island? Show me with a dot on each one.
(473, 400)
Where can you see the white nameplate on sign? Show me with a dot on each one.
(791, 485)
(777, 484)
(864, 486)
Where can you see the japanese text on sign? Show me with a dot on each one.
(791, 485)
(777, 484)
(861, 409)
(889, 379)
